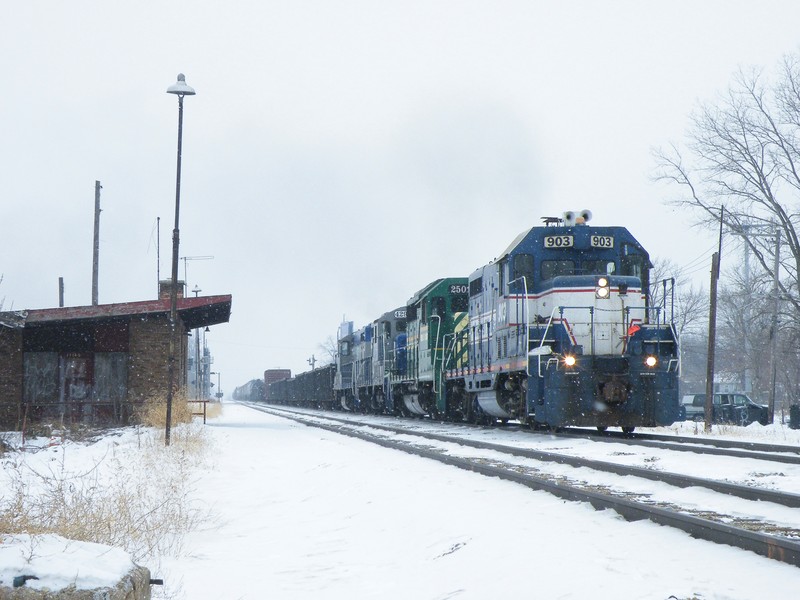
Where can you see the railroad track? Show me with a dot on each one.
(771, 539)
(741, 449)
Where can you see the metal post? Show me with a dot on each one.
(180, 89)
(96, 252)
(173, 293)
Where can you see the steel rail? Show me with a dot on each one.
(676, 479)
(684, 439)
(689, 445)
(769, 546)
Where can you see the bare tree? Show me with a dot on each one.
(328, 350)
(691, 306)
(745, 155)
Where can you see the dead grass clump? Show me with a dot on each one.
(214, 409)
(153, 411)
(138, 499)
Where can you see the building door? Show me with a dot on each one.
(76, 385)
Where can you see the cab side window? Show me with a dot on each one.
(523, 268)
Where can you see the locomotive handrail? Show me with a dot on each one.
(541, 344)
(524, 315)
(435, 349)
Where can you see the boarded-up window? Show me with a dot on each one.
(41, 377)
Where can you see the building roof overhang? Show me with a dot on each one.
(201, 311)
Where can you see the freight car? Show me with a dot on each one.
(560, 330)
(252, 391)
(315, 388)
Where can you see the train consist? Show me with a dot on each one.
(560, 330)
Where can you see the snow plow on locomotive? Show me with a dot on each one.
(560, 330)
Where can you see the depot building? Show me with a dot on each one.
(95, 364)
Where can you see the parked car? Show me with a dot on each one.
(736, 408)
(693, 407)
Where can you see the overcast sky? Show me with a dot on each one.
(338, 156)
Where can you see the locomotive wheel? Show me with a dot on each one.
(628, 430)
(601, 428)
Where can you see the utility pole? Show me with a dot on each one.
(312, 361)
(197, 395)
(61, 292)
(712, 338)
(712, 328)
(762, 232)
(747, 385)
(773, 334)
(158, 257)
(96, 253)
(185, 272)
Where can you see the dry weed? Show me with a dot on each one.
(139, 499)
(153, 411)
(214, 410)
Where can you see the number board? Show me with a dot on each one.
(558, 241)
(458, 289)
(399, 314)
(602, 241)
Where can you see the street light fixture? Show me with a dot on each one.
(180, 89)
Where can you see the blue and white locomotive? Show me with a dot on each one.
(560, 330)
(365, 361)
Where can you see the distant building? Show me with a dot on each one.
(94, 363)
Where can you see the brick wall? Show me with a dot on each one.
(147, 365)
(10, 377)
(149, 357)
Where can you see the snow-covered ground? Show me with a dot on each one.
(303, 513)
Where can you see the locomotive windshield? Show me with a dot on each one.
(554, 268)
(598, 267)
(633, 265)
(460, 303)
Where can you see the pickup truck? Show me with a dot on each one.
(736, 408)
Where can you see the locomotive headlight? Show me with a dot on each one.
(569, 361)
(603, 289)
(651, 361)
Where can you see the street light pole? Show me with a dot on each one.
(218, 393)
(180, 89)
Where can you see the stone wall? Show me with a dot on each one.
(134, 586)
